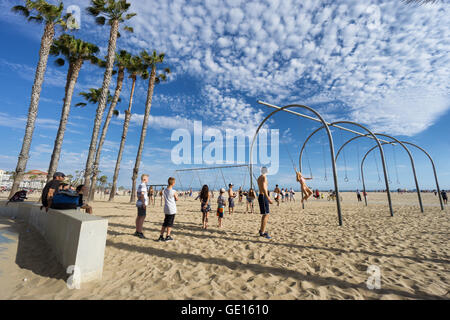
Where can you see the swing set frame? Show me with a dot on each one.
(213, 168)
(369, 134)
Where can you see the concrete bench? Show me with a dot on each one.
(77, 239)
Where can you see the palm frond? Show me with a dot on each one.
(37, 19)
(100, 21)
(21, 10)
(60, 62)
(128, 29)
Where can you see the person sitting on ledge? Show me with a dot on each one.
(50, 189)
(81, 189)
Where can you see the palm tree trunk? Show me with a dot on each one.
(102, 103)
(46, 43)
(148, 106)
(122, 142)
(72, 77)
(120, 77)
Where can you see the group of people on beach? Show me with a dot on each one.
(205, 196)
(57, 194)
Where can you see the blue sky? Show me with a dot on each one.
(383, 64)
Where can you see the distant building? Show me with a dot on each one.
(5, 179)
(34, 179)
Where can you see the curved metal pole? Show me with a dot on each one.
(304, 145)
(434, 171)
(371, 134)
(410, 157)
(300, 167)
(362, 173)
(386, 180)
(330, 139)
(411, 144)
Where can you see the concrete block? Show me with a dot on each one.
(76, 238)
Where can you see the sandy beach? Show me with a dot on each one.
(309, 256)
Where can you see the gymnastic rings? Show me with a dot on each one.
(346, 179)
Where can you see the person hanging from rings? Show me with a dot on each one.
(305, 189)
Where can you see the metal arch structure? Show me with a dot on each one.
(411, 144)
(330, 139)
(362, 170)
(434, 170)
(369, 134)
(392, 143)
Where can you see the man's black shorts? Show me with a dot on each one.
(168, 220)
(141, 211)
(263, 204)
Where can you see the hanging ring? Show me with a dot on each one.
(346, 179)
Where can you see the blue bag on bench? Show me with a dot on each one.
(65, 199)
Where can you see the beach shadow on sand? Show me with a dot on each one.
(260, 269)
(211, 235)
(35, 255)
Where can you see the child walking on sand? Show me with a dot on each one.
(205, 207)
(170, 210)
(221, 204)
(305, 189)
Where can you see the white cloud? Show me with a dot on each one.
(349, 51)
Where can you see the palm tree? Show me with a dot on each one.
(75, 51)
(135, 68)
(122, 60)
(93, 96)
(102, 182)
(37, 11)
(152, 62)
(111, 12)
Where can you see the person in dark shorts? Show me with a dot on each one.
(51, 188)
(231, 196)
(358, 195)
(170, 210)
(141, 204)
(444, 196)
(264, 202)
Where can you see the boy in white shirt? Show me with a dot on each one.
(141, 205)
(170, 210)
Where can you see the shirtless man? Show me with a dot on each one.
(277, 192)
(264, 201)
(231, 196)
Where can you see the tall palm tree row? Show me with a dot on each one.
(135, 68)
(52, 15)
(75, 51)
(150, 61)
(113, 13)
(122, 60)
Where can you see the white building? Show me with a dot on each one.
(33, 179)
(5, 179)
